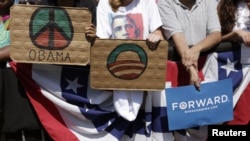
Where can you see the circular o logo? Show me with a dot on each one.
(127, 69)
(183, 105)
(51, 28)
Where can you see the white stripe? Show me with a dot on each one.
(245, 81)
(210, 69)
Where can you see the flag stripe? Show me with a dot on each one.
(45, 109)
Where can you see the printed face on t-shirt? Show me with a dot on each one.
(124, 27)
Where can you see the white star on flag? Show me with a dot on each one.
(229, 67)
(73, 85)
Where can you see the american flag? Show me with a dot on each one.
(70, 110)
(228, 65)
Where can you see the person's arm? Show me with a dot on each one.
(238, 36)
(213, 28)
(5, 53)
(190, 55)
(155, 26)
(182, 49)
(173, 30)
(232, 36)
(90, 33)
(180, 43)
(210, 41)
(158, 32)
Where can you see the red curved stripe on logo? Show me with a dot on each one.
(129, 76)
(118, 69)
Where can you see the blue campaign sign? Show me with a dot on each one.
(188, 107)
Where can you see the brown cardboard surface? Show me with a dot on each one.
(127, 65)
(49, 35)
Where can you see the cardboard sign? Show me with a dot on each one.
(49, 35)
(127, 65)
(187, 107)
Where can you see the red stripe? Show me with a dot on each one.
(125, 68)
(129, 76)
(242, 109)
(177, 74)
(46, 110)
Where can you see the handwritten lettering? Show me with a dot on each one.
(48, 55)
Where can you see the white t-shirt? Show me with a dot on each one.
(243, 23)
(242, 15)
(134, 21)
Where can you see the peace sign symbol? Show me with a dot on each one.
(51, 28)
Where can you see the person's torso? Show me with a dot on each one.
(193, 21)
(130, 22)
